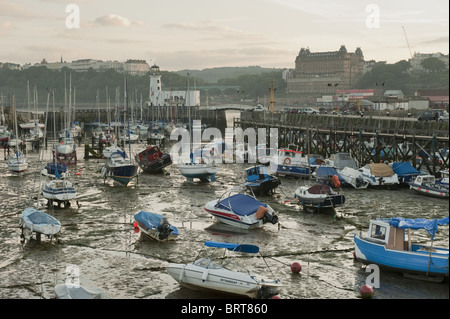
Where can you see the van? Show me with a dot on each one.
(431, 115)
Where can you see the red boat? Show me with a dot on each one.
(152, 160)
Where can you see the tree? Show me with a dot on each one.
(433, 64)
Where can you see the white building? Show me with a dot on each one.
(416, 61)
(159, 97)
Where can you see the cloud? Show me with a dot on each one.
(113, 20)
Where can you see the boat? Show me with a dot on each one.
(341, 160)
(328, 175)
(200, 166)
(443, 180)
(39, 222)
(155, 226)
(152, 160)
(354, 178)
(241, 210)
(214, 273)
(17, 163)
(379, 175)
(385, 245)
(259, 182)
(119, 168)
(290, 163)
(60, 191)
(68, 291)
(426, 184)
(405, 171)
(318, 196)
(109, 150)
(55, 170)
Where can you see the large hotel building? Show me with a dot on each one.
(324, 72)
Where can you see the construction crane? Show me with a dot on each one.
(272, 97)
(407, 42)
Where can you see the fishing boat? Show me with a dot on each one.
(426, 184)
(39, 222)
(354, 178)
(241, 210)
(405, 171)
(152, 160)
(67, 291)
(259, 182)
(379, 175)
(212, 273)
(290, 163)
(155, 226)
(319, 196)
(385, 245)
(119, 168)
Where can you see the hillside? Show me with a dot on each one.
(214, 75)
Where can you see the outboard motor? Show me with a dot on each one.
(164, 229)
(270, 218)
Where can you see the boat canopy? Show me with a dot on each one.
(148, 219)
(240, 204)
(431, 226)
(404, 168)
(233, 247)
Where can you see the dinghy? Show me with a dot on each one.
(39, 222)
(155, 226)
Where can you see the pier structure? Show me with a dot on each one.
(368, 139)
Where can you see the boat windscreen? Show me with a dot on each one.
(233, 247)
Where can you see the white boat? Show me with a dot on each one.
(39, 222)
(242, 211)
(109, 150)
(204, 171)
(65, 291)
(17, 163)
(59, 190)
(379, 175)
(354, 178)
(319, 196)
(342, 160)
(443, 180)
(66, 146)
(426, 184)
(218, 275)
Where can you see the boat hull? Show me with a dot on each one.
(204, 172)
(436, 191)
(59, 190)
(293, 170)
(414, 262)
(121, 174)
(39, 222)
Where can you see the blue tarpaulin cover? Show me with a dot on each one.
(152, 220)
(404, 168)
(233, 247)
(240, 204)
(431, 226)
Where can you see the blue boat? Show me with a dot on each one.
(405, 171)
(119, 168)
(385, 245)
(155, 226)
(259, 182)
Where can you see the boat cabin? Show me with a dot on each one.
(287, 156)
(256, 173)
(150, 154)
(382, 233)
(425, 180)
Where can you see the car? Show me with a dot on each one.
(443, 118)
(309, 110)
(432, 115)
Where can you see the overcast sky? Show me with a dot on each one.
(198, 34)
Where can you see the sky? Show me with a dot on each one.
(199, 34)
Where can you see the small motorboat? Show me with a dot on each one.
(379, 175)
(241, 210)
(152, 160)
(155, 226)
(443, 180)
(66, 291)
(39, 222)
(354, 178)
(319, 196)
(385, 245)
(426, 184)
(405, 171)
(328, 175)
(341, 160)
(259, 182)
(217, 274)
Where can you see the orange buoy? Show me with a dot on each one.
(366, 291)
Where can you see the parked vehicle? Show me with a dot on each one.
(309, 110)
(432, 115)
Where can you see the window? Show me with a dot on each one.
(378, 232)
